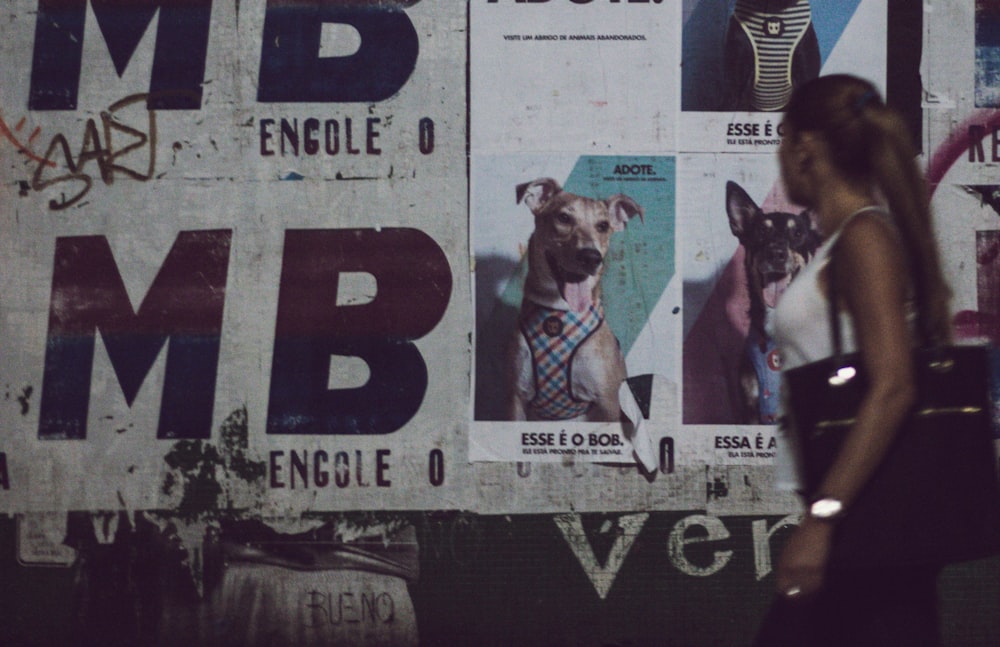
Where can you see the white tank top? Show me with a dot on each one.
(802, 334)
(801, 318)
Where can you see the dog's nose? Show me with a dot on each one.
(778, 253)
(589, 259)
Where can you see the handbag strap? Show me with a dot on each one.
(831, 310)
(833, 304)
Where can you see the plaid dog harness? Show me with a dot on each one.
(554, 336)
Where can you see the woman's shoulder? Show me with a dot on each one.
(870, 252)
(871, 231)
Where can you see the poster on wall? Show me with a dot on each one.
(744, 243)
(576, 103)
(593, 77)
(570, 157)
(742, 58)
(963, 118)
(539, 444)
(574, 260)
(235, 257)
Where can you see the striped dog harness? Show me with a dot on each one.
(554, 337)
(774, 37)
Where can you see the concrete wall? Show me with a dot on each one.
(263, 263)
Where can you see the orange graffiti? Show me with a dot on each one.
(98, 146)
(24, 149)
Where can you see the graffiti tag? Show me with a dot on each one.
(98, 146)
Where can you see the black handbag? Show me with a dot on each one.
(935, 498)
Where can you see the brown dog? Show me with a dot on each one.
(565, 362)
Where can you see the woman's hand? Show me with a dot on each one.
(803, 561)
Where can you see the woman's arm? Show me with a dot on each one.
(873, 278)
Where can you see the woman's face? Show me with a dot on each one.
(790, 160)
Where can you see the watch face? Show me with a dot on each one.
(826, 508)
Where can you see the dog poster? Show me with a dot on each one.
(569, 76)
(741, 59)
(574, 265)
(733, 279)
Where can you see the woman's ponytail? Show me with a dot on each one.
(892, 160)
(869, 141)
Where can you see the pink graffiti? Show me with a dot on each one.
(981, 323)
(956, 144)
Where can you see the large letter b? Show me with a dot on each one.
(292, 69)
(413, 288)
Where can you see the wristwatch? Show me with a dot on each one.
(826, 508)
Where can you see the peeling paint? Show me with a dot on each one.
(206, 477)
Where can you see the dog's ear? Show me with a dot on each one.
(740, 208)
(537, 192)
(622, 208)
(813, 237)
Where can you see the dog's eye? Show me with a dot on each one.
(603, 227)
(796, 231)
(564, 218)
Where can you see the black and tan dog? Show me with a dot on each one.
(565, 362)
(777, 245)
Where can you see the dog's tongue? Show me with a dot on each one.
(577, 295)
(774, 289)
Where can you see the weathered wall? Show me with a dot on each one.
(263, 262)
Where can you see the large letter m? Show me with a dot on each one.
(184, 304)
(178, 60)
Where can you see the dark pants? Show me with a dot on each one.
(885, 608)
